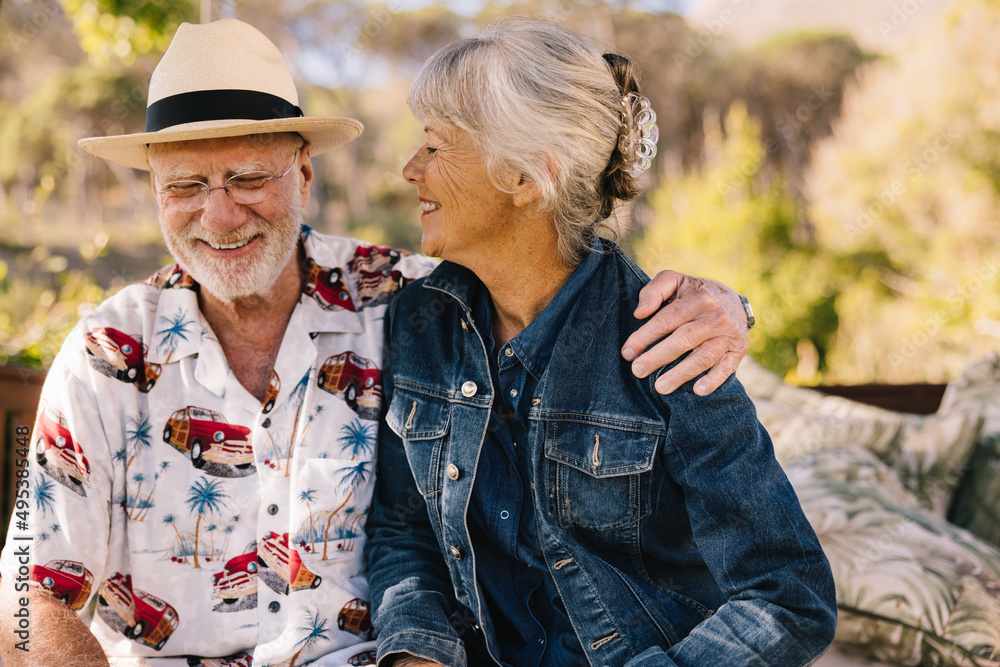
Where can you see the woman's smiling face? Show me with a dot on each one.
(464, 216)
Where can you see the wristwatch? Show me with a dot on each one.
(748, 310)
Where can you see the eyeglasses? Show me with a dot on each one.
(250, 188)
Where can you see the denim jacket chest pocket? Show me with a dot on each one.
(422, 422)
(599, 476)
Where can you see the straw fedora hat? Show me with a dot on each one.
(221, 79)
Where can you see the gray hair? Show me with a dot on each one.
(539, 100)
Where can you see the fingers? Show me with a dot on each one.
(657, 292)
(694, 307)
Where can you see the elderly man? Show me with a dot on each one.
(201, 467)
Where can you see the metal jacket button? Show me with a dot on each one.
(509, 352)
(452, 471)
(456, 554)
(469, 389)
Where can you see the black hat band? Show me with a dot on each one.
(201, 105)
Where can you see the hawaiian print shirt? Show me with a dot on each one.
(180, 516)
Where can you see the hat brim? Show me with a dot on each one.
(323, 134)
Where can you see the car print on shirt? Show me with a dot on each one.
(135, 613)
(57, 452)
(170, 277)
(121, 356)
(373, 258)
(292, 575)
(356, 618)
(232, 661)
(327, 287)
(237, 579)
(372, 267)
(366, 658)
(67, 580)
(273, 388)
(356, 379)
(207, 438)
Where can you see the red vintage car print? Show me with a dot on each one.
(327, 287)
(238, 577)
(67, 580)
(372, 284)
(206, 436)
(125, 353)
(373, 258)
(275, 552)
(147, 618)
(356, 618)
(357, 378)
(273, 387)
(55, 445)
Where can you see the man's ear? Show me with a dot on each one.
(306, 170)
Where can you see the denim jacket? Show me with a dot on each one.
(671, 532)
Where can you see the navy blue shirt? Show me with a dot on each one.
(532, 626)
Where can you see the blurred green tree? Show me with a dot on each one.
(912, 174)
(735, 223)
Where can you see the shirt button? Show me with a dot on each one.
(504, 514)
(456, 554)
(274, 607)
(509, 352)
(266, 423)
(469, 389)
(452, 471)
(513, 393)
(272, 509)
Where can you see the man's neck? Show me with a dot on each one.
(250, 329)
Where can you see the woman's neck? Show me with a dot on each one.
(522, 279)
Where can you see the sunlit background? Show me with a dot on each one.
(838, 162)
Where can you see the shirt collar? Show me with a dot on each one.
(179, 329)
(533, 346)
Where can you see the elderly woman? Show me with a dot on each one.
(535, 501)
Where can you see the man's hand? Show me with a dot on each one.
(698, 315)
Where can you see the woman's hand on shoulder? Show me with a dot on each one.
(694, 314)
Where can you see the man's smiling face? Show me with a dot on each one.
(232, 250)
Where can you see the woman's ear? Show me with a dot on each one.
(528, 191)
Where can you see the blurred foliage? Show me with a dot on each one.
(118, 31)
(35, 318)
(852, 196)
(912, 174)
(732, 222)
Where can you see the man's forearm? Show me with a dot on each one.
(57, 636)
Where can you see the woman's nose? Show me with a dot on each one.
(413, 172)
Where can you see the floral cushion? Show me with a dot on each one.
(976, 500)
(929, 453)
(911, 588)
